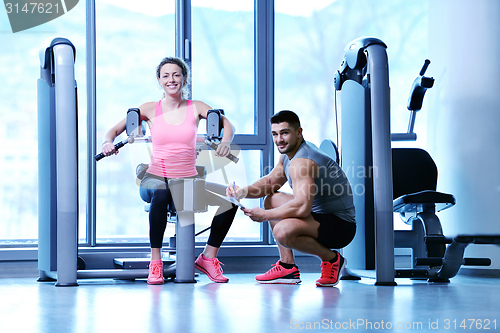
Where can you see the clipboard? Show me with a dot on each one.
(230, 199)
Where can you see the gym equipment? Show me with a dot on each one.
(57, 162)
(410, 176)
(58, 170)
(136, 131)
(417, 201)
(187, 193)
(363, 79)
(58, 174)
(415, 100)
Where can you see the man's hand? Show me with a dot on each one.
(257, 214)
(235, 191)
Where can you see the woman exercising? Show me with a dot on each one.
(173, 122)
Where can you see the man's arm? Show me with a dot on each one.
(302, 172)
(267, 184)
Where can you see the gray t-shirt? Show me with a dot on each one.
(333, 193)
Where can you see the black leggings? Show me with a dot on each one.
(161, 197)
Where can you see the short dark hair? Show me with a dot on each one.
(286, 116)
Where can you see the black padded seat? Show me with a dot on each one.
(413, 170)
(417, 202)
(414, 176)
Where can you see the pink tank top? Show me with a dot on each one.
(174, 146)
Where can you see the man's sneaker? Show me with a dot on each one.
(330, 272)
(155, 272)
(211, 267)
(280, 274)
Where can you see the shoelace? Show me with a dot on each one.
(275, 267)
(217, 265)
(156, 269)
(328, 272)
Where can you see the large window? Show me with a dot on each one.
(223, 77)
(310, 42)
(133, 36)
(19, 73)
(223, 58)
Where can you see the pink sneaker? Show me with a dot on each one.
(211, 267)
(280, 275)
(155, 272)
(330, 273)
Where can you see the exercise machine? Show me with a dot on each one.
(58, 258)
(386, 180)
(363, 79)
(417, 201)
(57, 162)
(187, 193)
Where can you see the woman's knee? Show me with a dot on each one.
(162, 198)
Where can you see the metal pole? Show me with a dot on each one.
(183, 192)
(67, 165)
(378, 69)
(91, 124)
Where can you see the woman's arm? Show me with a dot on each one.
(228, 127)
(109, 137)
(224, 148)
(108, 147)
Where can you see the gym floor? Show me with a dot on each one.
(465, 304)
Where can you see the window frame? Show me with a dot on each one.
(263, 100)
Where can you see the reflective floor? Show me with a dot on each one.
(466, 304)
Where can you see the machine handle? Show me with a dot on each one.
(214, 146)
(424, 67)
(117, 147)
(418, 89)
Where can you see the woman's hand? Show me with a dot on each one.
(223, 149)
(108, 149)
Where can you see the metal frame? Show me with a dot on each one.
(365, 71)
(58, 164)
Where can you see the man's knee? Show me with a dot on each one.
(277, 199)
(283, 234)
(268, 202)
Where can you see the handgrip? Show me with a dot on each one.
(419, 87)
(230, 156)
(117, 146)
(424, 67)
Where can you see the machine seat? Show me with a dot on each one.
(420, 201)
(141, 172)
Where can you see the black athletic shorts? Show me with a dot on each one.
(334, 232)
